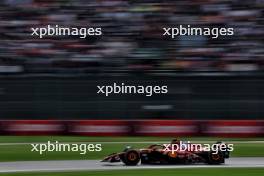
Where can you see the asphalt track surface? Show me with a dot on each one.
(89, 165)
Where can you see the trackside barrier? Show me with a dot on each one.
(234, 128)
(167, 128)
(99, 128)
(32, 127)
(217, 128)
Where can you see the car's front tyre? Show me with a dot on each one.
(216, 158)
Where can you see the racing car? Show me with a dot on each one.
(157, 154)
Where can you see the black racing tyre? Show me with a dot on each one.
(131, 158)
(217, 158)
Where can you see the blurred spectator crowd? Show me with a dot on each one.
(132, 37)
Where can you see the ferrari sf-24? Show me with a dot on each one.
(157, 154)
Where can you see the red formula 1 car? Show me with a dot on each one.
(157, 154)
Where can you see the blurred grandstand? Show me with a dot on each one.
(132, 38)
(56, 77)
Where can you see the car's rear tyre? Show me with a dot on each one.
(216, 158)
(131, 158)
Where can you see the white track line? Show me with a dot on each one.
(91, 165)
